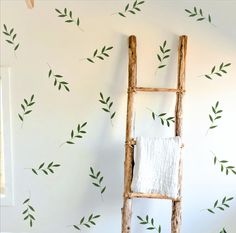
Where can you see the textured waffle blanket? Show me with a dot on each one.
(156, 166)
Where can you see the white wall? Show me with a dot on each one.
(63, 198)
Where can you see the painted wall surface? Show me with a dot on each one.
(50, 48)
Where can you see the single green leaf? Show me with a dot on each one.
(81, 221)
(103, 190)
(34, 171)
(21, 118)
(153, 115)
(90, 60)
(76, 227)
(31, 208)
(16, 47)
(41, 165)
(121, 14)
(25, 211)
(127, 7)
(211, 211)
(27, 112)
(27, 200)
(106, 110)
(207, 76)
(69, 142)
(113, 114)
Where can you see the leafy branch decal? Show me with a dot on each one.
(131, 8)
(11, 37)
(218, 72)
(26, 107)
(198, 13)
(97, 180)
(224, 165)
(68, 13)
(108, 104)
(89, 223)
(58, 79)
(221, 206)
(215, 116)
(163, 55)
(28, 213)
(45, 169)
(76, 133)
(100, 55)
(163, 118)
(150, 222)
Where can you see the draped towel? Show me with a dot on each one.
(157, 166)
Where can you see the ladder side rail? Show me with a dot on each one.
(176, 205)
(129, 150)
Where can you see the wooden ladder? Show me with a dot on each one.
(130, 141)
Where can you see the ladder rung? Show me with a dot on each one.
(151, 195)
(156, 89)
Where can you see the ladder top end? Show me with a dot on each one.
(132, 38)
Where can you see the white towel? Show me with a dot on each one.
(157, 166)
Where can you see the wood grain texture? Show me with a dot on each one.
(176, 205)
(151, 195)
(156, 89)
(128, 165)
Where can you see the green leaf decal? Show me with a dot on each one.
(198, 14)
(217, 72)
(58, 80)
(224, 165)
(131, 8)
(26, 105)
(149, 222)
(29, 211)
(99, 55)
(76, 133)
(163, 55)
(10, 37)
(107, 103)
(45, 169)
(215, 116)
(220, 205)
(97, 180)
(68, 15)
(163, 118)
(86, 223)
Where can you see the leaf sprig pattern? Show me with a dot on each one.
(224, 167)
(131, 8)
(45, 169)
(89, 223)
(26, 108)
(150, 223)
(163, 55)
(198, 13)
(215, 116)
(97, 180)
(11, 37)
(220, 205)
(29, 211)
(58, 80)
(77, 133)
(101, 55)
(218, 72)
(163, 118)
(107, 105)
(68, 15)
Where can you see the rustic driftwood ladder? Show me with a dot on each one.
(130, 142)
